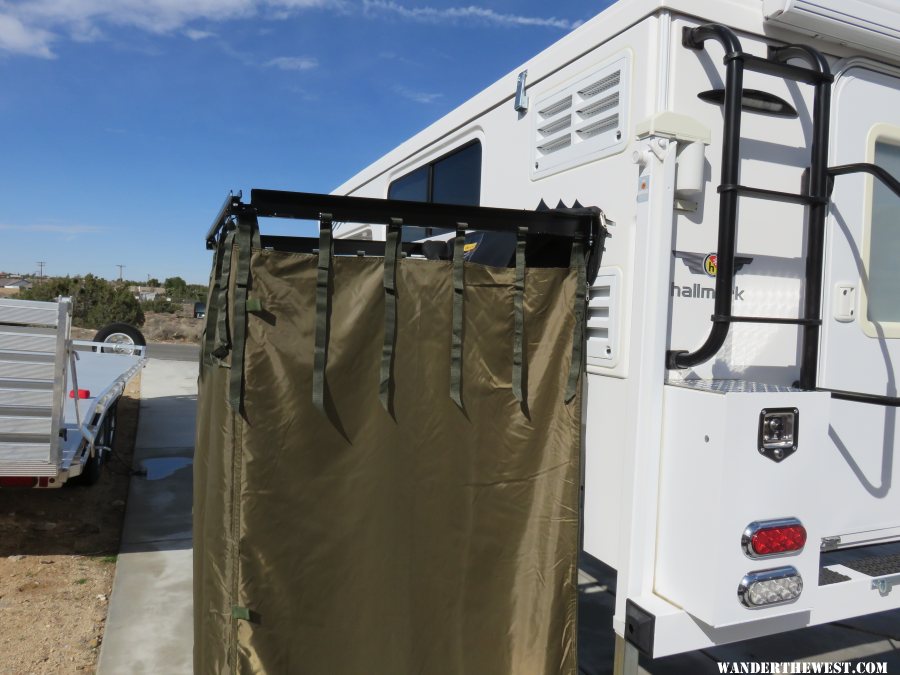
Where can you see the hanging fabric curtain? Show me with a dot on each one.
(387, 469)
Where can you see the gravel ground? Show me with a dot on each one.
(57, 562)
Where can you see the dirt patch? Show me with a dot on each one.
(172, 328)
(57, 561)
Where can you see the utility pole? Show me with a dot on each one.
(41, 264)
(121, 267)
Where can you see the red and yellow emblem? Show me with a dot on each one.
(711, 264)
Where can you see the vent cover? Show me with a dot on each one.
(583, 122)
(603, 320)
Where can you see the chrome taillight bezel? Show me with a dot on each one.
(762, 576)
(757, 525)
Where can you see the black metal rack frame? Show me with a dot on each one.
(579, 224)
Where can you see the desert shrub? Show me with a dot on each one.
(96, 302)
(161, 305)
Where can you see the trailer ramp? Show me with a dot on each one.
(33, 339)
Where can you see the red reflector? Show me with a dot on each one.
(17, 481)
(779, 540)
(82, 393)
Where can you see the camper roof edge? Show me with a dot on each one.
(745, 16)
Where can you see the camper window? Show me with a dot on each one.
(455, 178)
(884, 241)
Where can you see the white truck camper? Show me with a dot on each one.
(744, 330)
(58, 396)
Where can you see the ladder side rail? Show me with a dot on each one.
(817, 214)
(695, 38)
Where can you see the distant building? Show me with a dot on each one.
(148, 293)
(11, 282)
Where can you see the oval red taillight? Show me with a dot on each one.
(771, 540)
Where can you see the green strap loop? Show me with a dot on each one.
(323, 300)
(391, 256)
(212, 309)
(241, 613)
(518, 372)
(456, 339)
(576, 365)
(247, 232)
(222, 341)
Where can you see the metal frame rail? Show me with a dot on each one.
(584, 224)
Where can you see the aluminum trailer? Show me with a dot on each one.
(58, 396)
(740, 441)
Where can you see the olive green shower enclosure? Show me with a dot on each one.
(387, 473)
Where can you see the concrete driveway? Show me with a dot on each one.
(150, 625)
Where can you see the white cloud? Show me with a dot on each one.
(20, 39)
(293, 63)
(417, 96)
(458, 14)
(31, 28)
(195, 35)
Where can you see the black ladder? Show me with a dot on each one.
(815, 195)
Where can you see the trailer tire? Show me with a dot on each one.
(121, 337)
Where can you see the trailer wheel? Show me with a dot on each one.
(119, 338)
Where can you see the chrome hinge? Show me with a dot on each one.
(521, 103)
(885, 585)
(830, 543)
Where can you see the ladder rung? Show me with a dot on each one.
(785, 70)
(719, 318)
(776, 195)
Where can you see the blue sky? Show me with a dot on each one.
(125, 122)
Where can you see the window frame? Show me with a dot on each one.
(429, 165)
(886, 134)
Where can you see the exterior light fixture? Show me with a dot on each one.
(768, 588)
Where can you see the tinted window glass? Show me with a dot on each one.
(884, 244)
(412, 187)
(453, 179)
(457, 177)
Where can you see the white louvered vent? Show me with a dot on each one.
(582, 122)
(602, 320)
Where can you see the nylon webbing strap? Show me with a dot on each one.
(246, 237)
(323, 278)
(456, 340)
(391, 254)
(518, 372)
(212, 310)
(577, 364)
(222, 341)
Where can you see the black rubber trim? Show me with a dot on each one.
(640, 627)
